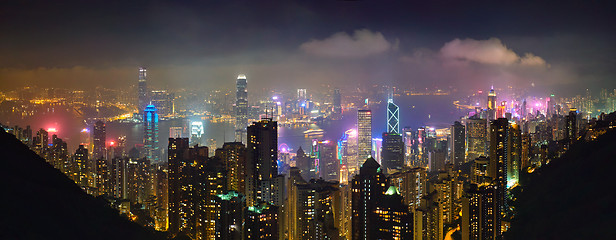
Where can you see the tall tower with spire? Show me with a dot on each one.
(241, 108)
(142, 94)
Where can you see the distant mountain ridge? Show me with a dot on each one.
(40, 202)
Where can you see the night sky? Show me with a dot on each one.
(559, 46)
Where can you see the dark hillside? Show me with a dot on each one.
(572, 197)
(40, 202)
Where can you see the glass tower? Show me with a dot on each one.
(241, 108)
(142, 94)
(364, 136)
(150, 136)
(393, 117)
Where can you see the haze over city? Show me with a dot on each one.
(559, 46)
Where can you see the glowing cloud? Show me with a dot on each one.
(362, 43)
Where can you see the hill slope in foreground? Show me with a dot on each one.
(573, 197)
(40, 202)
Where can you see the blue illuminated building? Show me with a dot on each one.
(150, 136)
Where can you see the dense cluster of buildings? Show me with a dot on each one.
(415, 184)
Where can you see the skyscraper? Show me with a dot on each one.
(150, 136)
(481, 218)
(393, 217)
(262, 162)
(337, 109)
(501, 148)
(505, 152)
(364, 136)
(412, 184)
(163, 101)
(392, 154)
(99, 140)
(368, 187)
(79, 166)
(233, 156)
(194, 183)
(241, 107)
(393, 117)
(176, 149)
(143, 91)
(571, 128)
(492, 104)
(476, 137)
(457, 144)
(329, 165)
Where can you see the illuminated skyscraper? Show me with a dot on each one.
(412, 184)
(329, 165)
(393, 217)
(364, 136)
(99, 140)
(476, 137)
(150, 136)
(143, 91)
(241, 108)
(499, 147)
(80, 165)
(233, 156)
(302, 105)
(177, 149)
(481, 218)
(571, 127)
(492, 104)
(262, 164)
(505, 144)
(393, 117)
(194, 181)
(457, 144)
(368, 187)
(196, 131)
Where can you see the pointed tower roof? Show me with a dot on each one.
(392, 190)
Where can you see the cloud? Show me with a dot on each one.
(362, 43)
(491, 51)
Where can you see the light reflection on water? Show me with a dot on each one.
(440, 109)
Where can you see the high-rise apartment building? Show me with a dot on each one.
(368, 187)
(457, 144)
(80, 165)
(233, 156)
(262, 163)
(99, 139)
(481, 218)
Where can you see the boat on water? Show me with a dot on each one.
(314, 132)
